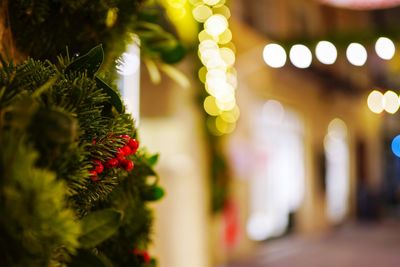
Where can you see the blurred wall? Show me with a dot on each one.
(318, 106)
(171, 125)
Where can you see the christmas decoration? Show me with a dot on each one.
(218, 76)
(72, 193)
(120, 158)
(113, 23)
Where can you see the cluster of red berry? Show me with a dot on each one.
(143, 254)
(119, 161)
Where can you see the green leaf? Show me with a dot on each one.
(89, 62)
(86, 258)
(153, 160)
(99, 226)
(174, 55)
(114, 97)
(153, 193)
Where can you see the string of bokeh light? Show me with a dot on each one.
(217, 54)
(378, 102)
(326, 52)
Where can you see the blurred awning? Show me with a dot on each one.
(363, 4)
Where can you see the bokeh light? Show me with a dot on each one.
(300, 56)
(225, 37)
(390, 102)
(201, 13)
(218, 74)
(384, 48)
(211, 2)
(216, 25)
(211, 107)
(326, 52)
(396, 146)
(375, 101)
(356, 54)
(274, 55)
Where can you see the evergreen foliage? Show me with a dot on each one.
(81, 24)
(56, 121)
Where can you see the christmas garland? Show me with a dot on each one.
(82, 24)
(73, 184)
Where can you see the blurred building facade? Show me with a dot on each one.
(307, 152)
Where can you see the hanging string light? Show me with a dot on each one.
(378, 102)
(217, 54)
(326, 52)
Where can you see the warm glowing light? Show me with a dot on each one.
(227, 55)
(223, 126)
(218, 74)
(228, 116)
(210, 106)
(300, 56)
(227, 103)
(203, 74)
(274, 55)
(201, 13)
(356, 54)
(207, 44)
(326, 52)
(215, 74)
(385, 48)
(216, 63)
(375, 101)
(223, 10)
(232, 79)
(396, 146)
(216, 25)
(211, 2)
(225, 37)
(391, 102)
(203, 35)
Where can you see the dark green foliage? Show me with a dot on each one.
(81, 24)
(78, 24)
(131, 236)
(55, 120)
(34, 219)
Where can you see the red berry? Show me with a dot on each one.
(99, 168)
(127, 164)
(96, 162)
(112, 163)
(120, 153)
(127, 150)
(93, 176)
(146, 257)
(134, 145)
(94, 142)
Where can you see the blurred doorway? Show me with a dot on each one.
(277, 181)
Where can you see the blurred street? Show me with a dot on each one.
(361, 245)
